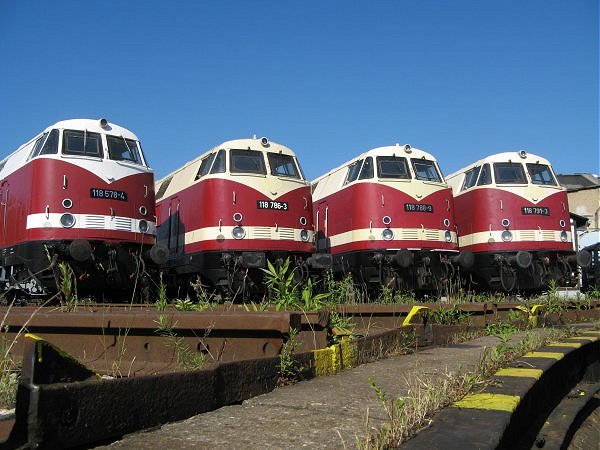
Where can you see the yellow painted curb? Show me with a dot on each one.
(495, 402)
(552, 355)
(586, 338)
(328, 360)
(349, 353)
(565, 344)
(415, 311)
(520, 372)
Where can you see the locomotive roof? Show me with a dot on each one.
(514, 156)
(397, 149)
(93, 125)
(243, 144)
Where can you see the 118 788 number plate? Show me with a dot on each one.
(270, 204)
(535, 210)
(109, 194)
(418, 207)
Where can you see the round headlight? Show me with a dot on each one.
(237, 217)
(67, 220)
(303, 221)
(238, 232)
(304, 235)
(506, 236)
(387, 234)
(564, 236)
(143, 226)
(446, 223)
(386, 220)
(143, 210)
(448, 236)
(505, 222)
(67, 203)
(562, 223)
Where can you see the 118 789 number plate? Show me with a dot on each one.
(535, 210)
(109, 194)
(270, 204)
(418, 207)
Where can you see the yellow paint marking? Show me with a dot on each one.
(327, 360)
(520, 372)
(586, 338)
(414, 311)
(495, 402)
(592, 332)
(565, 344)
(552, 355)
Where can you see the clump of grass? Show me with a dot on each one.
(450, 315)
(289, 371)
(67, 285)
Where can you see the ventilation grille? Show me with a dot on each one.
(527, 235)
(261, 233)
(286, 234)
(96, 222)
(411, 235)
(121, 224)
(432, 235)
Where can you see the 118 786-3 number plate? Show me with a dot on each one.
(535, 210)
(109, 194)
(270, 204)
(418, 207)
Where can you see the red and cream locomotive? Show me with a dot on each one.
(80, 193)
(227, 212)
(514, 216)
(387, 216)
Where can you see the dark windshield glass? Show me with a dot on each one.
(282, 165)
(47, 144)
(82, 143)
(392, 167)
(471, 177)
(122, 149)
(486, 175)
(205, 165)
(219, 164)
(247, 161)
(509, 173)
(426, 170)
(541, 174)
(367, 169)
(353, 171)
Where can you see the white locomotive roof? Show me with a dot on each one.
(398, 150)
(242, 144)
(94, 126)
(514, 156)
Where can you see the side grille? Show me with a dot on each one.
(261, 233)
(286, 234)
(121, 224)
(411, 235)
(96, 222)
(432, 235)
(527, 235)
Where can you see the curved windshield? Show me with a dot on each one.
(247, 161)
(282, 165)
(471, 178)
(82, 143)
(367, 169)
(392, 167)
(205, 165)
(122, 149)
(541, 174)
(353, 171)
(509, 173)
(426, 170)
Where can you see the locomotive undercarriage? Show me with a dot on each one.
(34, 268)
(422, 271)
(238, 274)
(527, 272)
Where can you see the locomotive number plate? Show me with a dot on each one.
(109, 194)
(418, 207)
(270, 204)
(535, 210)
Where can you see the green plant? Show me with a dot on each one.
(289, 371)
(449, 315)
(256, 307)
(516, 314)
(344, 291)
(281, 284)
(67, 285)
(340, 325)
(187, 305)
(501, 329)
(312, 301)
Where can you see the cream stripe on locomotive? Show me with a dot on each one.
(225, 233)
(518, 236)
(90, 222)
(400, 234)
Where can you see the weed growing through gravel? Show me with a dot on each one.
(289, 371)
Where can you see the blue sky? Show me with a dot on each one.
(330, 79)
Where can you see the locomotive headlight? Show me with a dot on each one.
(386, 220)
(505, 223)
(143, 226)
(67, 203)
(448, 236)
(562, 223)
(564, 236)
(67, 220)
(387, 234)
(446, 223)
(143, 210)
(304, 235)
(303, 221)
(507, 236)
(237, 217)
(238, 232)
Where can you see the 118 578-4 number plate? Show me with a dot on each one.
(535, 210)
(270, 204)
(109, 194)
(418, 207)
